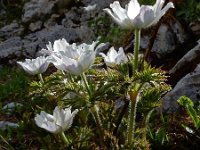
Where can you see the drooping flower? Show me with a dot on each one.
(74, 59)
(60, 121)
(113, 57)
(135, 16)
(35, 66)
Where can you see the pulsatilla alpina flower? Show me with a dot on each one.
(74, 59)
(135, 16)
(113, 57)
(35, 66)
(60, 121)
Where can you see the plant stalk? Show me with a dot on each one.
(94, 110)
(41, 78)
(133, 94)
(64, 138)
(136, 50)
(86, 84)
(132, 116)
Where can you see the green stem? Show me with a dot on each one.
(95, 113)
(136, 50)
(86, 84)
(132, 116)
(64, 138)
(70, 78)
(96, 116)
(147, 118)
(94, 109)
(41, 78)
(134, 94)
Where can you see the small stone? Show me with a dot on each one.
(6, 124)
(11, 107)
(35, 26)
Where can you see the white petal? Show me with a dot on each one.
(118, 11)
(162, 12)
(158, 6)
(122, 58)
(59, 116)
(71, 66)
(86, 60)
(46, 121)
(112, 54)
(145, 17)
(28, 67)
(49, 46)
(133, 9)
(60, 45)
(71, 53)
(57, 62)
(69, 118)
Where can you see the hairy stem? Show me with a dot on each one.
(94, 109)
(133, 94)
(132, 116)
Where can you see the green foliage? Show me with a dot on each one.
(189, 106)
(14, 10)
(147, 2)
(157, 131)
(189, 9)
(108, 33)
(13, 83)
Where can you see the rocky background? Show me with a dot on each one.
(26, 28)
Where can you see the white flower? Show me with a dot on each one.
(74, 59)
(113, 57)
(135, 16)
(60, 121)
(35, 66)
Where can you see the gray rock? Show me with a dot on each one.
(33, 26)
(188, 86)
(169, 36)
(35, 10)
(11, 107)
(100, 4)
(72, 18)
(56, 32)
(13, 29)
(179, 32)
(36, 41)
(187, 59)
(85, 34)
(165, 41)
(195, 27)
(12, 46)
(5, 124)
(52, 21)
(90, 7)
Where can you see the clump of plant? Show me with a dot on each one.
(192, 11)
(193, 114)
(13, 83)
(93, 99)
